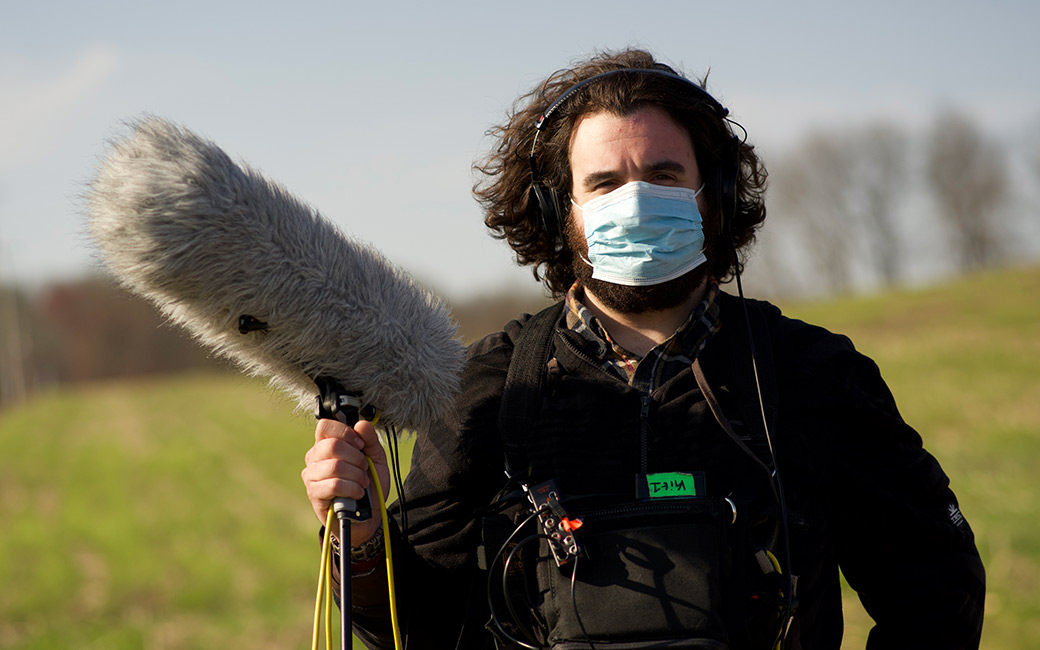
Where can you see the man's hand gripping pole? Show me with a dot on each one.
(336, 403)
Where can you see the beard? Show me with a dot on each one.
(623, 298)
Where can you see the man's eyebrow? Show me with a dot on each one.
(595, 178)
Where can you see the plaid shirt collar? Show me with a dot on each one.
(662, 362)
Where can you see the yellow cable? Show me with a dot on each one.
(386, 545)
(775, 562)
(325, 571)
(389, 555)
(328, 602)
(323, 578)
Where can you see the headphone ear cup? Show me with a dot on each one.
(548, 205)
(729, 169)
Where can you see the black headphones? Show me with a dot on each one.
(726, 182)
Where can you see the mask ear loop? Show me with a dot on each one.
(583, 258)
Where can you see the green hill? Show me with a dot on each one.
(169, 513)
(963, 361)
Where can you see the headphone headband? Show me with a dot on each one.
(546, 195)
(720, 111)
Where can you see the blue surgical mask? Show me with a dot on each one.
(643, 234)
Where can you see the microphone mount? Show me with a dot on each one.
(247, 324)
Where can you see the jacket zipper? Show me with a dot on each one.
(644, 433)
(644, 407)
(585, 357)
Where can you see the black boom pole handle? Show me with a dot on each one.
(336, 403)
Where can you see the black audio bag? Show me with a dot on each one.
(648, 575)
(672, 573)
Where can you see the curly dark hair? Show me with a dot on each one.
(504, 190)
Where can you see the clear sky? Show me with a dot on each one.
(374, 112)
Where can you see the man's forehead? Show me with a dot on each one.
(651, 133)
(646, 121)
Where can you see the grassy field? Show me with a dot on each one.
(169, 514)
(963, 361)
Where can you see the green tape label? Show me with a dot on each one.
(670, 485)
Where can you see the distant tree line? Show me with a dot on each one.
(84, 331)
(847, 208)
(866, 204)
(91, 329)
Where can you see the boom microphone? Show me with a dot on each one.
(261, 278)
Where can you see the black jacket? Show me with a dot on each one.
(862, 492)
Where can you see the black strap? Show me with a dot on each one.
(764, 375)
(751, 360)
(522, 395)
(720, 417)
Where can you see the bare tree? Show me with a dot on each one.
(1033, 146)
(13, 338)
(92, 329)
(13, 388)
(812, 186)
(879, 180)
(967, 177)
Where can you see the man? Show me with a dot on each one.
(653, 463)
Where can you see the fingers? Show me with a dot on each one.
(336, 465)
(347, 451)
(371, 446)
(330, 478)
(335, 429)
(322, 489)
